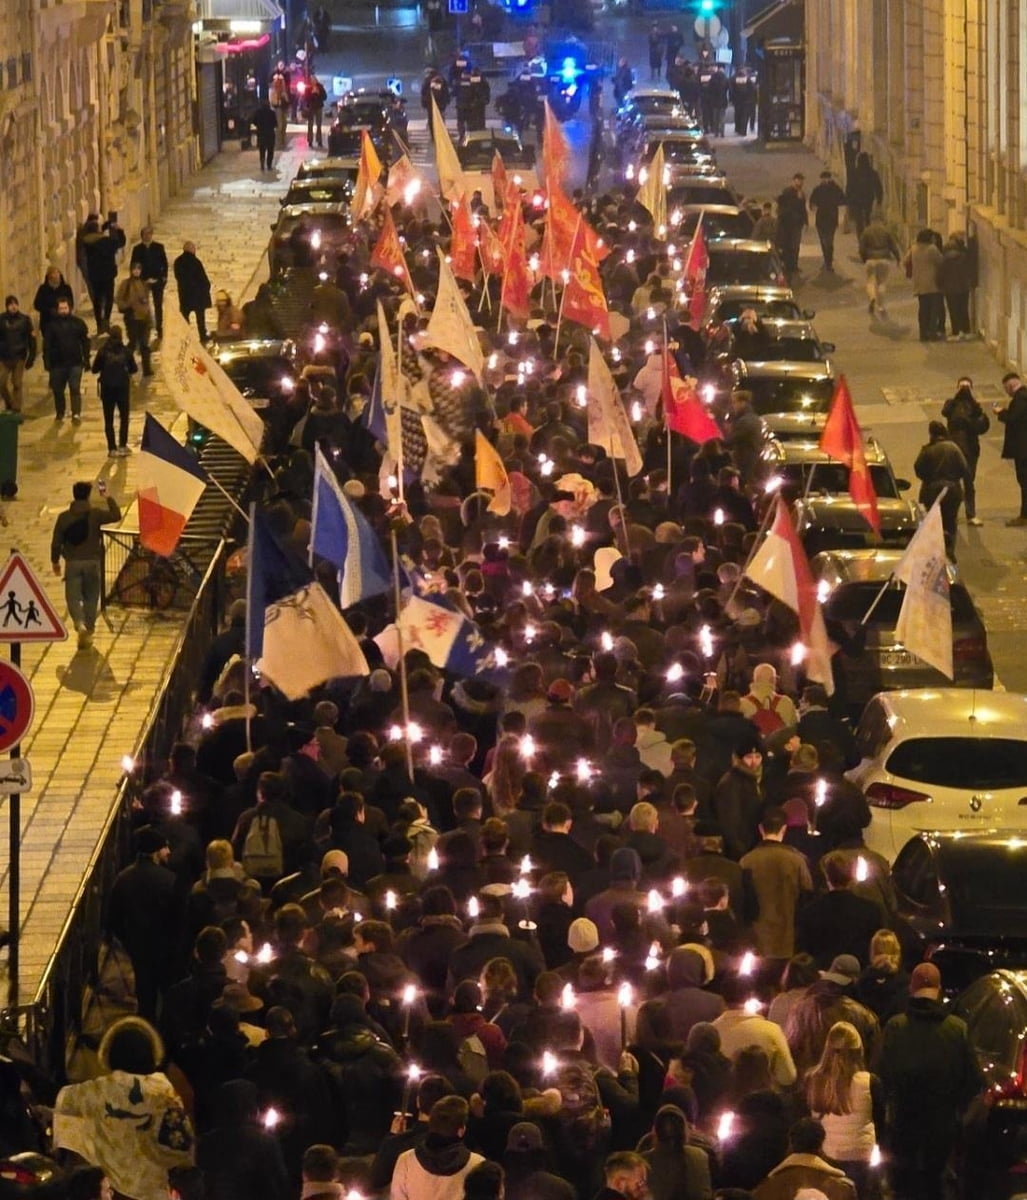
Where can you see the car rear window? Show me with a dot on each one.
(851, 602)
(973, 764)
(789, 395)
(700, 194)
(832, 478)
(742, 266)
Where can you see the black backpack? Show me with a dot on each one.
(114, 372)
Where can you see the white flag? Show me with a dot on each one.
(925, 619)
(307, 642)
(393, 387)
(450, 327)
(608, 423)
(202, 389)
(452, 184)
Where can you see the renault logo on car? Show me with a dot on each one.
(976, 803)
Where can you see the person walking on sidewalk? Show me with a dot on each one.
(657, 45)
(17, 353)
(265, 123)
(967, 423)
(878, 250)
(154, 260)
(193, 287)
(77, 539)
(792, 219)
(133, 300)
(956, 278)
(864, 192)
(1014, 441)
(65, 356)
(115, 365)
(315, 101)
(826, 199)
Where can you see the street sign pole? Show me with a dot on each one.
(14, 870)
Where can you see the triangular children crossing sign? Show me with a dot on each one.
(26, 614)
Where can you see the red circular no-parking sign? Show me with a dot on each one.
(17, 705)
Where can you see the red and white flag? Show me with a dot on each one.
(683, 410)
(843, 439)
(780, 567)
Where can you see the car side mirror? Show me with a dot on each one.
(808, 314)
(828, 347)
(903, 485)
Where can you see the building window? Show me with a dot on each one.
(12, 74)
(26, 68)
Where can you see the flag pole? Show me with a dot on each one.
(403, 692)
(400, 468)
(666, 422)
(877, 599)
(764, 524)
(231, 501)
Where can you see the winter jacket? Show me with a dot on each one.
(838, 922)
(133, 298)
(434, 1170)
(654, 751)
(238, 1158)
(824, 1003)
(17, 339)
(678, 1174)
(805, 1171)
(488, 940)
(779, 876)
(101, 255)
(737, 807)
(876, 241)
(739, 1029)
(364, 1074)
(76, 533)
(925, 260)
(967, 422)
(46, 298)
(1014, 440)
(426, 948)
(65, 342)
(192, 281)
(938, 464)
(929, 1071)
(670, 1017)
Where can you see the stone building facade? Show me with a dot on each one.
(936, 89)
(96, 114)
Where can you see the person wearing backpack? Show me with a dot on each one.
(269, 838)
(133, 301)
(77, 539)
(767, 708)
(115, 364)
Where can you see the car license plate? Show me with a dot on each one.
(898, 658)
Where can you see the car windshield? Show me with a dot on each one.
(258, 376)
(699, 194)
(966, 763)
(731, 310)
(727, 225)
(654, 104)
(334, 191)
(741, 266)
(986, 877)
(832, 478)
(332, 224)
(682, 152)
(852, 601)
(790, 395)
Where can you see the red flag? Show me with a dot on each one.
(684, 412)
(697, 261)
(556, 153)
(499, 179)
(563, 223)
(516, 290)
(388, 253)
(584, 300)
(780, 567)
(843, 439)
(491, 248)
(463, 246)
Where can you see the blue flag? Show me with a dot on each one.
(340, 533)
(272, 573)
(374, 413)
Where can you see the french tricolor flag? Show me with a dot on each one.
(170, 482)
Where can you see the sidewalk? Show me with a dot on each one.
(92, 706)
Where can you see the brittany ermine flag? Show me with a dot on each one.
(170, 482)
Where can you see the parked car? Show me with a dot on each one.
(870, 658)
(733, 260)
(327, 168)
(718, 221)
(728, 301)
(307, 235)
(705, 190)
(780, 390)
(994, 1159)
(686, 155)
(944, 759)
(646, 100)
(780, 340)
(960, 902)
(328, 190)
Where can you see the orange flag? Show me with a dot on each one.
(463, 246)
(491, 248)
(556, 153)
(367, 191)
(388, 253)
(843, 439)
(684, 412)
(515, 296)
(563, 225)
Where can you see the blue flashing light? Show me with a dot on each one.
(569, 70)
(706, 7)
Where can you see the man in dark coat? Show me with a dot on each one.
(143, 914)
(489, 938)
(65, 357)
(930, 1074)
(239, 1158)
(101, 246)
(17, 352)
(792, 219)
(561, 734)
(942, 471)
(265, 123)
(966, 422)
(826, 199)
(670, 1017)
(817, 725)
(1014, 441)
(738, 798)
(553, 848)
(193, 287)
(839, 921)
(154, 260)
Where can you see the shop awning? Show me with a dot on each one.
(784, 19)
(240, 16)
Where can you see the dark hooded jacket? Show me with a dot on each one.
(238, 1158)
(671, 1017)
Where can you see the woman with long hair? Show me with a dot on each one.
(884, 985)
(848, 1101)
(527, 691)
(504, 780)
(677, 1171)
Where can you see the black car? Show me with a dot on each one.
(994, 1159)
(309, 236)
(961, 902)
(265, 370)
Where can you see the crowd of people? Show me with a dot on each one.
(598, 921)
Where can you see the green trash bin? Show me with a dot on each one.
(9, 422)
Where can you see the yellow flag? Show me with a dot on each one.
(451, 176)
(366, 191)
(652, 195)
(490, 473)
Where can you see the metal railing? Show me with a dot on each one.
(54, 1016)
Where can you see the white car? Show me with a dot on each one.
(945, 759)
